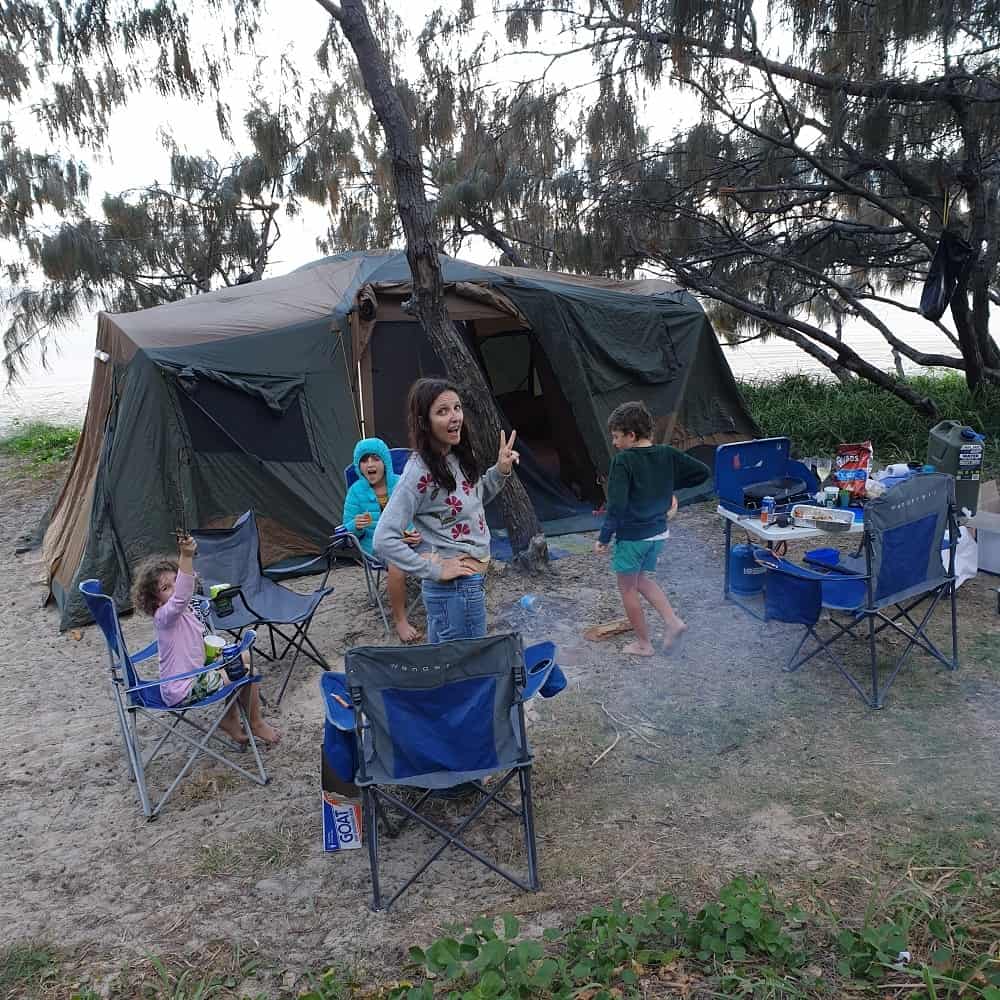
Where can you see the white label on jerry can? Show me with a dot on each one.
(970, 461)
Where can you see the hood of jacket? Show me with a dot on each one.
(375, 446)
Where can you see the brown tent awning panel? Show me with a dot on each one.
(68, 530)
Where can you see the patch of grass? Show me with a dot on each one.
(818, 414)
(157, 978)
(984, 649)
(25, 967)
(278, 849)
(942, 848)
(206, 786)
(219, 859)
(334, 984)
(934, 933)
(41, 444)
(265, 851)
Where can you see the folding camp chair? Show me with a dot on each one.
(232, 556)
(434, 717)
(136, 698)
(901, 570)
(375, 570)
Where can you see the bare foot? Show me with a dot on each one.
(671, 635)
(405, 631)
(266, 733)
(235, 732)
(639, 648)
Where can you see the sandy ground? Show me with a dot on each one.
(723, 764)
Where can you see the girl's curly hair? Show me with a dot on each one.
(146, 582)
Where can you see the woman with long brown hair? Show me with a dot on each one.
(442, 492)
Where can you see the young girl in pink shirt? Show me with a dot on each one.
(164, 589)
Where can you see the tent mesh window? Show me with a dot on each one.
(220, 419)
(508, 360)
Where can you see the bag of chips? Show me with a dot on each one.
(851, 465)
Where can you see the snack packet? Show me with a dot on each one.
(341, 823)
(851, 465)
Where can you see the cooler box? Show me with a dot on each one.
(988, 538)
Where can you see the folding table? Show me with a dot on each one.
(769, 534)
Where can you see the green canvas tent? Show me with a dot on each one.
(255, 395)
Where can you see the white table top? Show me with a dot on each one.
(772, 533)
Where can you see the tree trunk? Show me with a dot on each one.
(973, 323)
(964, 327)
(427, 302)
(844, 377)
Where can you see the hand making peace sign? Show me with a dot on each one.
(507, 458)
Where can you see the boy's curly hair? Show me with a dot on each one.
(146, 582)
(631, 417)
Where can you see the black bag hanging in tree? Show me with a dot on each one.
(948, 266)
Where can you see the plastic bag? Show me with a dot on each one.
(949, 265)
(966, 556)
(851, 465)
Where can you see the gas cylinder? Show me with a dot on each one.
(745, 576)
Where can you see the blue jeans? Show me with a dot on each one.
(455, 609)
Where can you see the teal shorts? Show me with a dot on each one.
(630, 557)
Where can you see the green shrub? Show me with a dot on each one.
(748, 921)
(819, 414)
(41, 443)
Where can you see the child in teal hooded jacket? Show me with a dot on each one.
(366, 499)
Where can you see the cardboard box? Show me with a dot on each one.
(341, 823)
(986, 525)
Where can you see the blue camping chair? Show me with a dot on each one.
(343, 541)
(232, 555)
(136, 698)
(901, 569)
(432, 718)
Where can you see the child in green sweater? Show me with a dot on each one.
(641, 483)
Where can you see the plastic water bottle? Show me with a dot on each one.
(529, 603)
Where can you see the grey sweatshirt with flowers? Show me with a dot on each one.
(450, 523)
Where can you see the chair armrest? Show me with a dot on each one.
(337, 701)
(145, 653)
(145, 685)
(246, 641)
(543, 675)
(342, 539)
(767, 559)
(299, 567)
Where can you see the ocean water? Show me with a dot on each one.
(57, 393)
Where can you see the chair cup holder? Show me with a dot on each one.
(554, 683)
